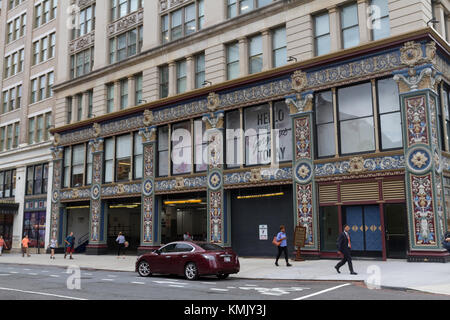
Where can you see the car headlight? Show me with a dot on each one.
(208, 257)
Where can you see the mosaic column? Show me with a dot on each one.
(149, 209)
(424, 188)
(217, 216)
(97, 218)
(305, 204)
(57, 213)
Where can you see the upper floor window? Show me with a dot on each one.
(322, 34)
(11, 99)
(37, 178)
(126, 44)
(81, 63)
(181, 76)
(121, 8)
(232, 60)
(16, 28)
(199, 70)
(380, 19)
(349, 26)
(182, 22)
(44, 48)
(44, 12)
(279, 47)
(84, 22)
(8, 183)
(14, 3)
(164, 81)
(41, 87)
(9, 136)
(237, 7)
(14, 63)
(255, 49)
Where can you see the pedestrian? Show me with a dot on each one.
(53, 245)
(187, 236)
(344, 245)
(281, 237)
(121, 243)
(446, 242)
(2, 244)
(25, 245)
(70, 245)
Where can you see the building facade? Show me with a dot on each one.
(28, 69)
(227, 119)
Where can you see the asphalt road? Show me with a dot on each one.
(19, 282)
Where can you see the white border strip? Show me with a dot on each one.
(38, 113)
(37, 75)
(42, 294)
(41, 36)
(12, 86)
(14, 51)
(16, 16)
(323, 291)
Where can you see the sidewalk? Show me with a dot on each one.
(399, 274)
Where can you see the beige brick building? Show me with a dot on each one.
(28, 69)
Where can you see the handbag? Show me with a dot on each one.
(275, 242)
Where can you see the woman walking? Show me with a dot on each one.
(281, 237)
(53, 245)
(121, 243)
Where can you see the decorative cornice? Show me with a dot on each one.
(82, 43)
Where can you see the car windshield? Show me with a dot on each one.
(210, 247)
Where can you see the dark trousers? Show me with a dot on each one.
(347, 258)
(280, 251)
(121, 248)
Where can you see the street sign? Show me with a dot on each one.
(263, 233)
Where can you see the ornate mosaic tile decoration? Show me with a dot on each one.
(57, 154)
(148, 182)
(422, 195)
(96, 203)
(370, 164)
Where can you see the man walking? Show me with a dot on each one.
(344, 247)
(281, 237)
(25, 245)
(2, 244)
(70, 245)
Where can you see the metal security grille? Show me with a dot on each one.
(394, 190)
(328, 194)
(360, 192)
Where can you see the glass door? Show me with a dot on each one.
(396, 230)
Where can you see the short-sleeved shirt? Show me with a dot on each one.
(71, 241)
(25, 242)
(280, 236)
(120, 239)
(53, 243)
(2, 243)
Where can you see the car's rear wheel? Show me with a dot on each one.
(191, 271)
(223, 276)
(144, 269)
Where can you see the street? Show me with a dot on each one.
(29, 282)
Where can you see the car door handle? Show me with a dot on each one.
(185, 256)
(167, 257)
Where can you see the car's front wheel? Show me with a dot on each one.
(191, 271)
(223, 276)
(144, 269)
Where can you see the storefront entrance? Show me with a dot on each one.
(7, 213)
(124, 216)
(34, 227)
(256, 216)
(181, 214)
(395, 219)
(365, 230)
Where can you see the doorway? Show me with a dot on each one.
(395, 219)
(181, 214)
(365, 230)
(124, 215)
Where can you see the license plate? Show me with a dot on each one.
(227, 259)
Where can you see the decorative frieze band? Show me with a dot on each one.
(82, 43)
(128, 22)
(165, 5)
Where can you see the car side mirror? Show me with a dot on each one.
(158, 252)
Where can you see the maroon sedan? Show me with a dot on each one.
(189, 259)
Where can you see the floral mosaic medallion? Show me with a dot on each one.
(147, 187)
(303, 172)
(55, 196)
(419, 160)
(95, 192)
(214, 180)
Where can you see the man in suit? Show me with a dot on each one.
(344, 247)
